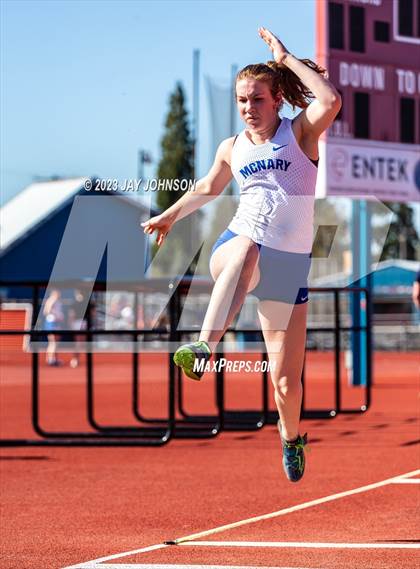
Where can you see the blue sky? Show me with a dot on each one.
(85, 84)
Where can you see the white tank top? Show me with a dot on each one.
(277, 191)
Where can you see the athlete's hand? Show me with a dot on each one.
(161, 223)
(273, 42)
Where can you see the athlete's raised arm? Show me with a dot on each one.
(206, 189)
(320, 113)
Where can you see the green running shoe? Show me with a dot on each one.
(187, 355)
(293, 456)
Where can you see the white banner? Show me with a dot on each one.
(386, 170)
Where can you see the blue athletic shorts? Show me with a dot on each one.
(283, 275)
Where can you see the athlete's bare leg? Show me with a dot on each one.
(234, 268)
(284, 330)
(51, 355)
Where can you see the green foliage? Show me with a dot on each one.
(402, 241)
(177, 149)
(176, 163)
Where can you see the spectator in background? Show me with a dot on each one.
(77, 322)
(53, 318)
(126, 317)
(141, 320)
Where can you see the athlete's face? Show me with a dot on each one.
(256, 105)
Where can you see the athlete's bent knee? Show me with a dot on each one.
(287, 384)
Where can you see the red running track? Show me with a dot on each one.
(66, 506)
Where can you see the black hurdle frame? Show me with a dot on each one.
(253, 420)
(107, 436)
(190, 426)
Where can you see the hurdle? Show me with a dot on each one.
(189, 426)
(104, 436)
(256, 419)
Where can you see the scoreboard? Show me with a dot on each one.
(371, 49)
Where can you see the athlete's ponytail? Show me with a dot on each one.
(283, 80)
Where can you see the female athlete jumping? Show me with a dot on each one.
(267, 246)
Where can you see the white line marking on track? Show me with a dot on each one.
(135, 566)
(94, 563)
(297, 508)
(298, 544)
(407, 481)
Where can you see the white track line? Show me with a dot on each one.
(407, 481)
(135, 566)
(298, 544)
(93, 564)
(298, 507)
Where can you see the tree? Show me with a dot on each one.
(176, 163)
(177, 149)
(402, 241)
